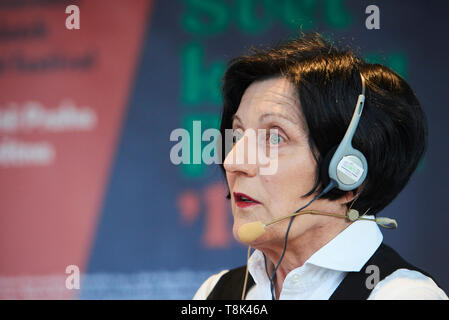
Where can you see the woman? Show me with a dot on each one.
(308, 91)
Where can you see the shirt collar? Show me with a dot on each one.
(348, 251)
(351, 248)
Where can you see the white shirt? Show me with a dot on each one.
(323, 272)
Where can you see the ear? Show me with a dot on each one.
(349, 196)
(352, 195)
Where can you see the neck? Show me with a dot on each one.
(300, 249)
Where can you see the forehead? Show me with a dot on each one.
(276, 95)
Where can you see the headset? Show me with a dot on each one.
(347, 166)
(344, 168)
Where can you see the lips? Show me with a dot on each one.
(243, 200)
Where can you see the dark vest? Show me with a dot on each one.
(352, 287)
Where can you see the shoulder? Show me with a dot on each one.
(205, 289)
(405, 284)
(227, 284)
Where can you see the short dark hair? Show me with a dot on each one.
(392, 132)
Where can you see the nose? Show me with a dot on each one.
(243, 156)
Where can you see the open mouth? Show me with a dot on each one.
(243, 200)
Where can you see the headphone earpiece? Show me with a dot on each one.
(348, 168)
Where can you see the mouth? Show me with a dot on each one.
(243, 200)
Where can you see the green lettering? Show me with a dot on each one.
(200, 84)
(298, 14)
(205, 17)
(247, 18)
(397, 61)
(421, 165)
(336, 14)
(190, 122)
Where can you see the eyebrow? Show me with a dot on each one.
(267, 115)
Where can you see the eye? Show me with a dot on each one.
(237, 135)
(275, 138)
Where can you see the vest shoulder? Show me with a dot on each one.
(385, 261)
(407, 284)
(393, 261)
(207, 286)
(230, 285)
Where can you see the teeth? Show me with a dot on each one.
(244, 199)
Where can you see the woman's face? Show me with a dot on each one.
(268, 104)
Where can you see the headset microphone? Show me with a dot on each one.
(253, 230)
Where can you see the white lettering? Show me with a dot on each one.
(373, 20)
(73, 20)
(73, 280)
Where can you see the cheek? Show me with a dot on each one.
(295, 176)
(230, 180)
